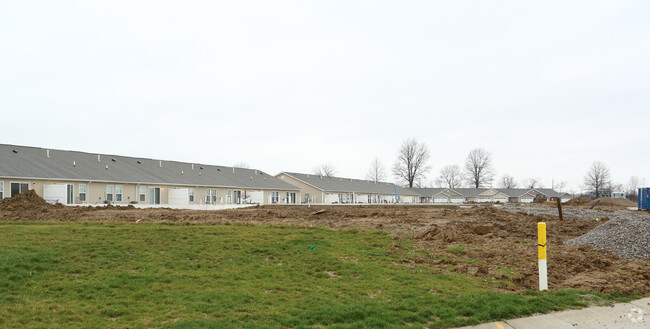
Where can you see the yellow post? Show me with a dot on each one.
(541, 250)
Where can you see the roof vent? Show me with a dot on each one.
(218, 169)
(106, 167)
(202, 168)
(74, 163)
(113, 159)
(199, 174)
(139, 162)
(251, 177)
(192, 166)
(15, 151)
(48, 153)
(182, 173)
(99, 158)
(233, 170)
(160, 163)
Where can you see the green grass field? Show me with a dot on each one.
(94, 275)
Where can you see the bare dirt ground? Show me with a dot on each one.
(488, 242)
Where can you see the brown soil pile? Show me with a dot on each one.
(27, 205)
(582, 201)
(486, 242)
(612, 202)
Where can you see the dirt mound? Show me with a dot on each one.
(27, 206)
(612, 202)
(581, 201)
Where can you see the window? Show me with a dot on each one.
(275, 197)
(118, 193)
(307, 197)
(192, 195)
(109, 193)
(207, 196)
(229, 197)
(2, 190)
(143, 193)
(83, 189)
(17, 188)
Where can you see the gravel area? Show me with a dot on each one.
(627, 235)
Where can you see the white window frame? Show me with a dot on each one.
(192, 194)
(119, 191)
(83, 191)
(112, 194)
(142, 194)
(2, 190)
(29, 187)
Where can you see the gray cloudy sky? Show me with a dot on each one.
(548, 86)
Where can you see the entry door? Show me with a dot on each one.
(154, 195)
(17, 188)
(237, 196)
(292, 197)
(70, 194)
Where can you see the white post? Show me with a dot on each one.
(541, 250)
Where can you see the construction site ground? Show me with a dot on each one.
(498, 242)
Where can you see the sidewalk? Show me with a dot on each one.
(632, 315)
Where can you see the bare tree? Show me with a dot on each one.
(478, 167)
(632, 188)
(326, 170)
(411, 165)
(451, 177)
(531, 183)
(597, 178)
(560, 186)
(376, 173)
(633, 183)
(241, 165)
(507, 181)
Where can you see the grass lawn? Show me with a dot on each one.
(97, 275)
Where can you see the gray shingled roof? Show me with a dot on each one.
(33, 163)
(514, 192)
(549, 192)
(427, 192)
(339, 184)
(471, 192)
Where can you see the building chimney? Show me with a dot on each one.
(48, 153)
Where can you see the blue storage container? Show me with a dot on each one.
(644, 198)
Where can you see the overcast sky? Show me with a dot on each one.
(548, 86)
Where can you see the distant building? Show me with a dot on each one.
(71, 177)
(337, 190)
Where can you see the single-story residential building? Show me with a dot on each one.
(485, 195)
(71, 177)
(439, 195)
(329, 190)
